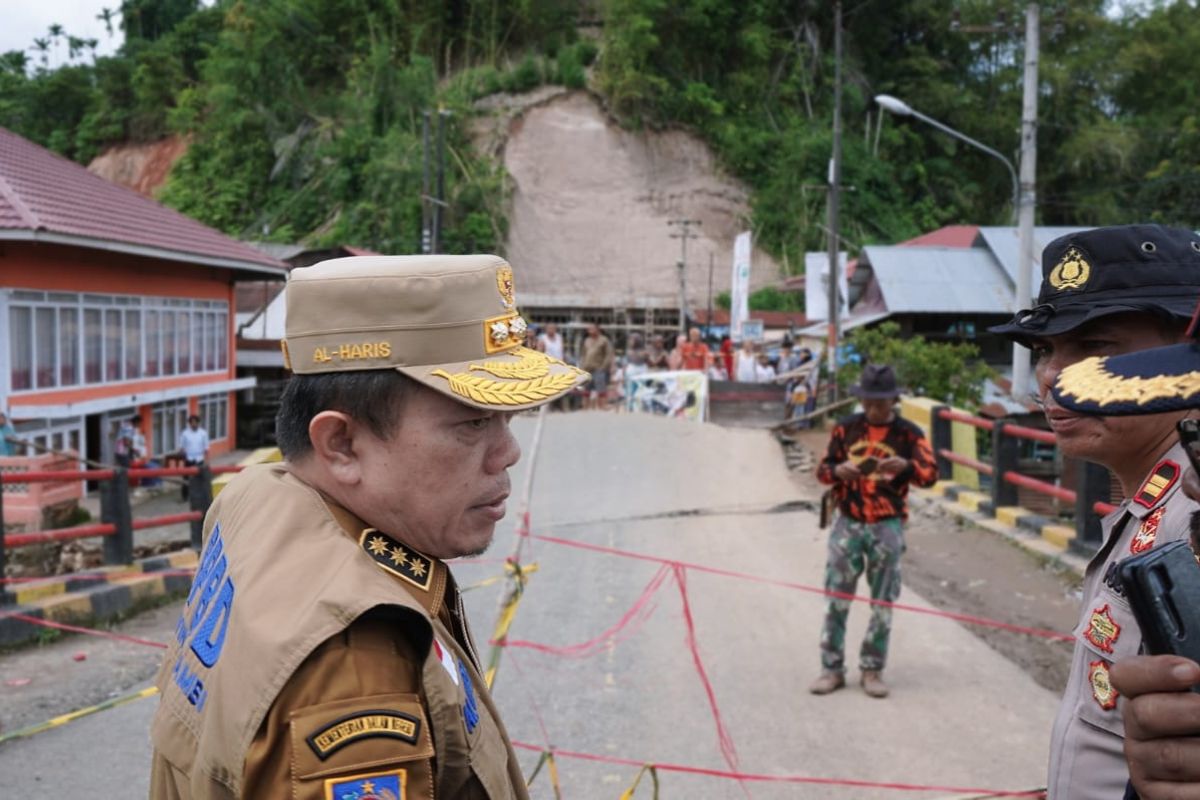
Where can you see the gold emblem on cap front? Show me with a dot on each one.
(1072, 270)
(504, 282)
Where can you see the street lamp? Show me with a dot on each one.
(903, 109)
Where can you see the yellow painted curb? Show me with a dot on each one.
(941, 486)
(183, 559)
(143, 586)
(1009, 514)
(67, 607)
(971, 500)
(1058, 535)
(40, 592)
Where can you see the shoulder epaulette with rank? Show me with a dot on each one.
(397, 559)
(1161, 479)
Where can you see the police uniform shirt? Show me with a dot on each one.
(1086, 750)
(316, 660)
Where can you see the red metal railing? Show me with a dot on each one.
(1033, 434)
(955, 458)
(965, 418)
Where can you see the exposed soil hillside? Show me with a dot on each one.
(591, 202)
(141, 167)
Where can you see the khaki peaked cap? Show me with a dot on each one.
(448, 322)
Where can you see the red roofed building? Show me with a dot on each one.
(113, 305)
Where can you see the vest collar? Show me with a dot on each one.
(423, 577)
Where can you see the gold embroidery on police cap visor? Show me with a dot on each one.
(531, 380)
(1072, 270)
(1089, 381)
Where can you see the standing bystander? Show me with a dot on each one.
(193, 447)
(597, 358)
(7, 432)
(657, 357)
(551, 342)
(694, 353)
(872, 458)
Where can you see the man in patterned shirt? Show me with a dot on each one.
(872, 458)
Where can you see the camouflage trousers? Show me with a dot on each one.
(853, 547)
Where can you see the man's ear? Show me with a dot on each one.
(332, 434)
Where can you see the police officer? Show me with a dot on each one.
(1160, 714)
(1105, 292)
(323, 651)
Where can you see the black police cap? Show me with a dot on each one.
(1114, 270)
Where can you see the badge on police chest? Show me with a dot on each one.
(1102, 689)
(1143, 540)
(1103, 631)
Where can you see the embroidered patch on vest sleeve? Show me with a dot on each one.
(397, 558)
(1143, 540)
(387, 785)
(375, 723)
(1161, 479)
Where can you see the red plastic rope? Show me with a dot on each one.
(750, 776)
(89, 631)
(966, 618)
(637, 613)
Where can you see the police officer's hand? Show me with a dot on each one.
(847, 471)
(1162, 725)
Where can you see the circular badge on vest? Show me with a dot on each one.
(1102, 689)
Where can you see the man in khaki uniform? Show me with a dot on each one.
(1162, 727)
(1105, 292)
(323, 652)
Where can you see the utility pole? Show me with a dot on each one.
(683, 236)
(1021, 385)
(426, 233)
(439, 201)
(835, 178)
(708, 327)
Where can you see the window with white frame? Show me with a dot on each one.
(214, 415)
(64, 339)
(166, 421)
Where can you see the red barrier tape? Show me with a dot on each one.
(99, 576)
(749, 776)
(638, 611)
(89, 631)
(61, 535)
(965, 618)
(728, 751)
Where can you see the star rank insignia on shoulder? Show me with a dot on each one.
(397, 559)
(1164, 476)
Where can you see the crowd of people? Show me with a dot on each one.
(723, 360)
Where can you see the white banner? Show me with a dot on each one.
(739, 294)
(816, 286)
(682, 394)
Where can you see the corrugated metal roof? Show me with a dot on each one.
(46, 197)
(936, 280)
(946, 236)
(1002, 241)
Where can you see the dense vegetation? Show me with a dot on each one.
(305, 115)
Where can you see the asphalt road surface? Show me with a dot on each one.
(961, 716)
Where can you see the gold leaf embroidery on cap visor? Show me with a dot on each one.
(1090, 381)
(532, 364)
(507, 393)
(1072, 270)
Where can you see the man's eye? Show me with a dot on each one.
(1039, 352)
(479, 423)
(1098, 345)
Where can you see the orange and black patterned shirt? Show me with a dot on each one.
(869, 499)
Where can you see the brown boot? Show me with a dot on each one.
(872, 683)
(828, 682)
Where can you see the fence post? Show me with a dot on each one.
(1094, 487)
(1006, 454)
(115, 509)
(200, 498)
(941, 439)
(4, 595)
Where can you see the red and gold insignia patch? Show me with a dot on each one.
(1143, 540)
(1102, 688)
(1161, 479)
(1103, 631)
